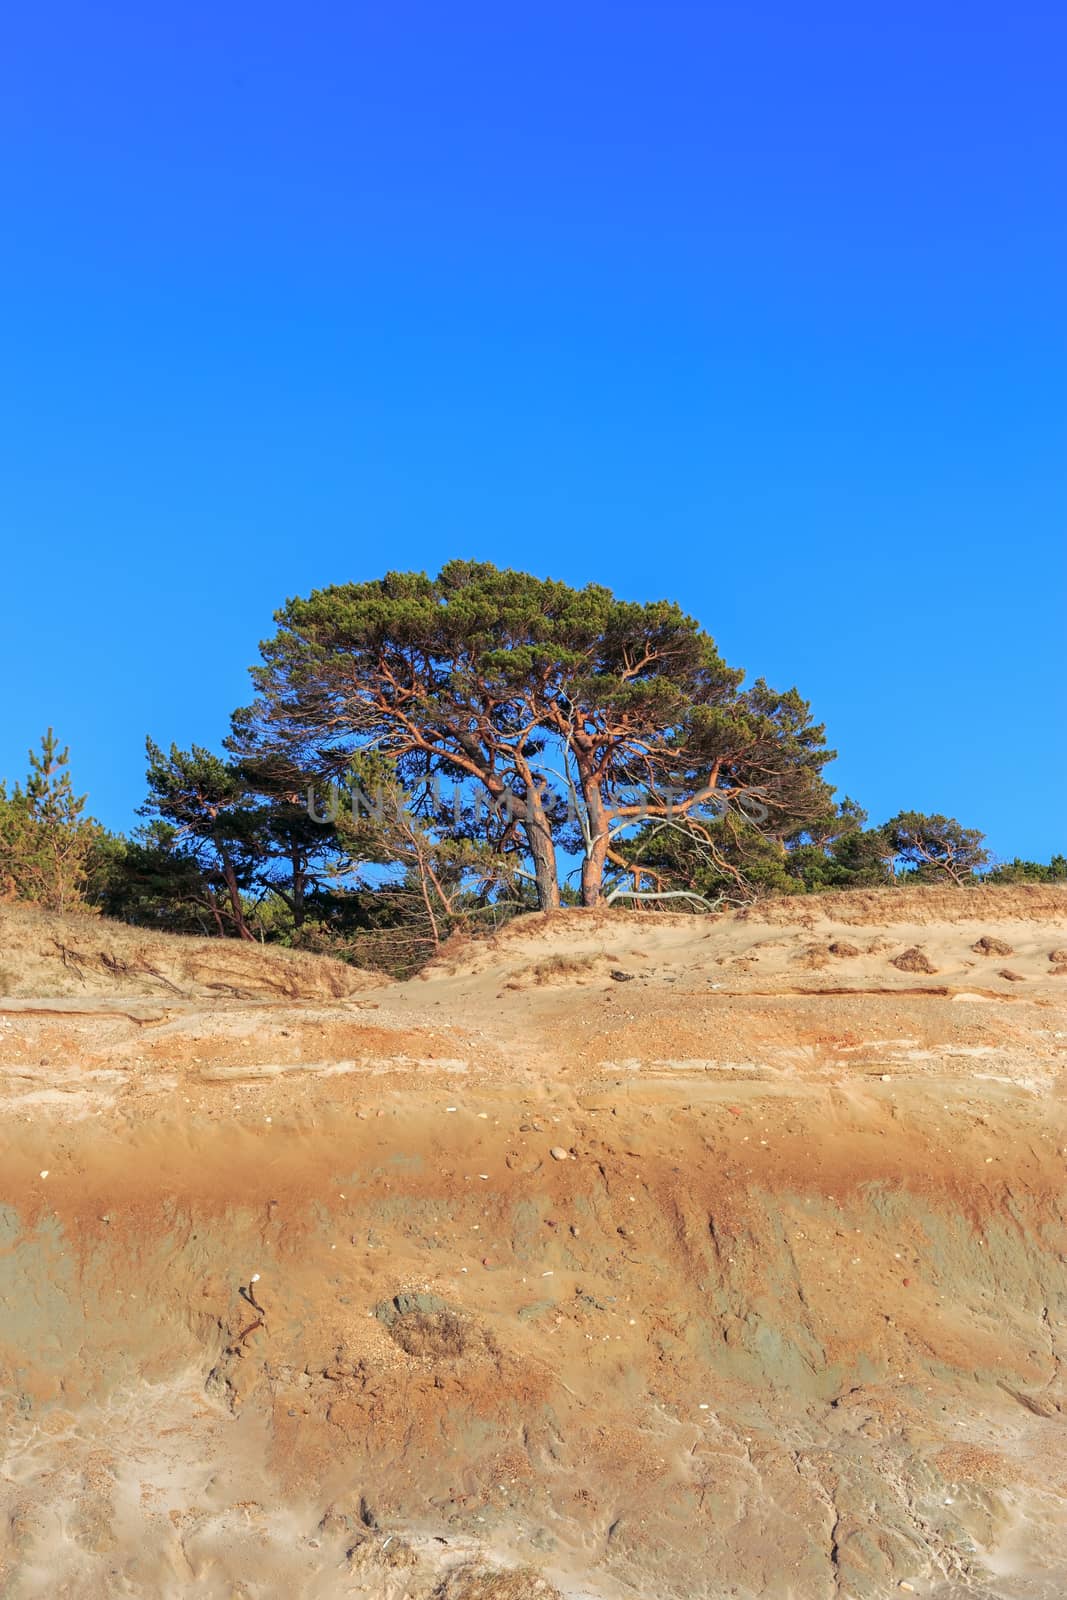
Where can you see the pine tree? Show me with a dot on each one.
(212, 821)
(46, 841)
(580, 714)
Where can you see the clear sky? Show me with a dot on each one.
(759, 307)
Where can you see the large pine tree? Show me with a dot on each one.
(583, 714)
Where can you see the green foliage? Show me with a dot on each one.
(732, 860)
(298, 851)
(930, 848)
(234, 847)
(47, 844)
(727, 860)
(212, 823)
(153, 881)
(861, 858)
(1017, 871)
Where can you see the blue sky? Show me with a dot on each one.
(761, 308)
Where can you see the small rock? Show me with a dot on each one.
(988, 946)
(841, 948)
(1058, 956)
(1012, 977)
(622, 977)
(913, 960)
(557, 1153)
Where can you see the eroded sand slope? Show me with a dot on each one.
(784, 1315)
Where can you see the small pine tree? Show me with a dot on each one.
(49, 791)
(46, 841)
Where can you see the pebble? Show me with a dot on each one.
(44, 1174)
(557, 1153)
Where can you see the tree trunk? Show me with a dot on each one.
(298, 890)
(234, 892)
(216, 913)
(542, 846)
(597, 823)
(544, 859)
(593, 872)
(427, 900)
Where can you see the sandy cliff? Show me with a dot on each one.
(658, 1257)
